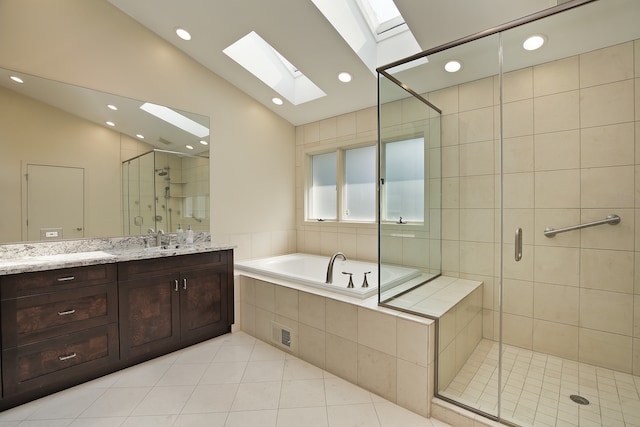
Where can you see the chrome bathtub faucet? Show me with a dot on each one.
(329, 278)
(350, 285)
(365, 284)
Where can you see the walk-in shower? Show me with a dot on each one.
(533, 140)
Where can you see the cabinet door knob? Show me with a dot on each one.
(65, 279)
(65, 313)
(67, 357)
(184, 283)
(175, 282)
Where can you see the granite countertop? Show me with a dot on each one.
(25, 259)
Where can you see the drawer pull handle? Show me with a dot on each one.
(66, 279)
(184, 283)
(175, 282)
(70, 356)
(65, 313)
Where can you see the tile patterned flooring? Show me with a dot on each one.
(537, 386)
(230, 381)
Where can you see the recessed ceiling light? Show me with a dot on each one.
(190, 147)
(533, 42)
(112, 107)
(111, 123)
(277, 101)
(344, 77)
(204, 142)
(17, 79)
(183, 34)
(140, 136)
(453, 66)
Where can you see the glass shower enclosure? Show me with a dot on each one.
(161, 189)
(539, 152)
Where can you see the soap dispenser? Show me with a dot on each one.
(189, 235)
(180, 235)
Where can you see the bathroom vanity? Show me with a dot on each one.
(81, 319)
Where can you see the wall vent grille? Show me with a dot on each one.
(282, 336)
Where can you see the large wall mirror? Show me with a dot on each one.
(79, 163)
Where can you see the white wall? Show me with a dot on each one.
(93, 44)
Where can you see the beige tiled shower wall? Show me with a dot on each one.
(571, 155)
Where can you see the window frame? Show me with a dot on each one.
(340, 151)
(382, 176)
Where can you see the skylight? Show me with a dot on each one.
(263, 61)
(381, 15)
(374, 29)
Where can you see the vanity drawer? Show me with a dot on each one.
(160, 266)
(64, 359)
(24, 284)
(35, 318)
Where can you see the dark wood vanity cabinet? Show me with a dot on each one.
(58, 327)
(62, 327)
(165, 306)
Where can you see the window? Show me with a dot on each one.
(323, 202)
(403, 184)
(343, 181)
(360, 184)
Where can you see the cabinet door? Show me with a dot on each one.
(203, 302)
(149, 315)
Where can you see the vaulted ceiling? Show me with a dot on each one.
(301, 33)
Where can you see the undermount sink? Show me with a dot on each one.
(164, 248)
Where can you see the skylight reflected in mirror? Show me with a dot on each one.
(176, 119)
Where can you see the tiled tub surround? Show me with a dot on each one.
(457, 304)
(387, 352)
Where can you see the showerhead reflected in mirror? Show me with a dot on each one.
(64, 127)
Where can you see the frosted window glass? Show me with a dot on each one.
(323, 186)
(359, 188)
(404, 180)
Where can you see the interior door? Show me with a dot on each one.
(55, 202)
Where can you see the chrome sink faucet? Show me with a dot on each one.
(330, 266)
(159, 237)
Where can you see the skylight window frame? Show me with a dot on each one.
(381, 29)
(348, 19)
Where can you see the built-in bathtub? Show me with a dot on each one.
(307, 269)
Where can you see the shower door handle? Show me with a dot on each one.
(518, 245)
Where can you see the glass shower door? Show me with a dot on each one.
(570, 353)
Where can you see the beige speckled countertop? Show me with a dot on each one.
(29, 257)
(51, 262)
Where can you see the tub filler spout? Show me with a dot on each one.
(330, 266)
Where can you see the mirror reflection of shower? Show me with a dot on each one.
(162, 190)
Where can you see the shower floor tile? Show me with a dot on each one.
(536, 389)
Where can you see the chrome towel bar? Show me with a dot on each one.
(610, 219)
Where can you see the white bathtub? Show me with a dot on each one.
(311, 270)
